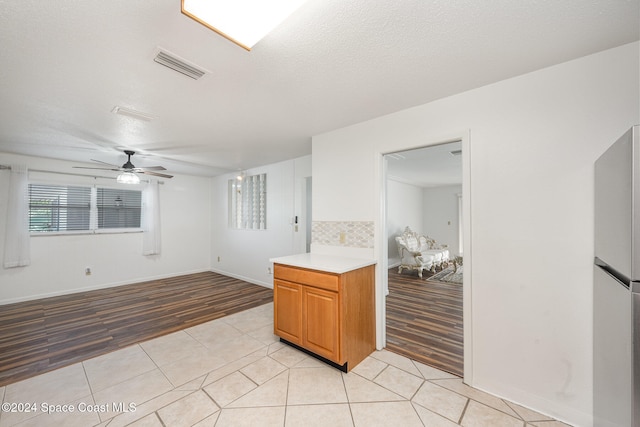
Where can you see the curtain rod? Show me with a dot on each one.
(73, 174)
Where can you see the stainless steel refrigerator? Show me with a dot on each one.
(616, 295)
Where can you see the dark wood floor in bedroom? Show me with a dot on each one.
(41, 335)
(424, 320)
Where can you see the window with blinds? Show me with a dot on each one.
(59, 208)
(248, 202)
(118, 208)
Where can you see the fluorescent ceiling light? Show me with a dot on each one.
(244, 22)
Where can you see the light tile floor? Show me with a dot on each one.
(234, 372)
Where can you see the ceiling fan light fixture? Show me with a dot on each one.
(128, 178)
(244, 22)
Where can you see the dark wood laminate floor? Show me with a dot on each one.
(45, 334)
(424, 320)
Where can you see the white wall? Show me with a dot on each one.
(58, 262)
(404, 208)
(194, 233)
(440, 218)
(245, 254)
(530, 152)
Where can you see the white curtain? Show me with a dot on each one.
(151, 218)
(17, 245)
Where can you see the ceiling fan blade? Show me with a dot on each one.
(163, 175)
(102, 169)
(100, 161)
(129, 167)
(152, 168)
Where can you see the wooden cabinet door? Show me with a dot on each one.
(287, 318)
(321, 323)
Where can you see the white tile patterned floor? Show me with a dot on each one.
(234, 372)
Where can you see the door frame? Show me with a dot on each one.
(381, 246)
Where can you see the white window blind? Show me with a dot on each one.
(118, 208)
(248, 202)
(60, 208)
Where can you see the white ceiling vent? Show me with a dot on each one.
(172, 61)
(123, 111)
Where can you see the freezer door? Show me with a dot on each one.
(636, 357)
(616, 181)
(612, 352)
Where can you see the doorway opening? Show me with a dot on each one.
(423, 207)
(301, 220)
(307, 212)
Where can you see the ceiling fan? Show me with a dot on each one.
(129, 171)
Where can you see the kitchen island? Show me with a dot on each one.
(325, 306)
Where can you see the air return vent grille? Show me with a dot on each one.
(133, 113)
(171, 61)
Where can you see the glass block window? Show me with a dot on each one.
(248, 202)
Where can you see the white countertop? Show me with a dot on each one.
(328, 263)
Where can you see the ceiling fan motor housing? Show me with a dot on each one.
(128, 165)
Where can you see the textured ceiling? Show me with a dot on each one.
(66, 64)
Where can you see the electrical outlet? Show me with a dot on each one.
(268, 270)
(218, 259)
(87, 271)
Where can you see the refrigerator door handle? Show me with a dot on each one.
(620, 278)
(636, 357)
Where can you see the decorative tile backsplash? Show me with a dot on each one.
(355, 234)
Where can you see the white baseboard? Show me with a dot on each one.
(246, 279)
(96, 287)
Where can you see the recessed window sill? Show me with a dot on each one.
(86, 232)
